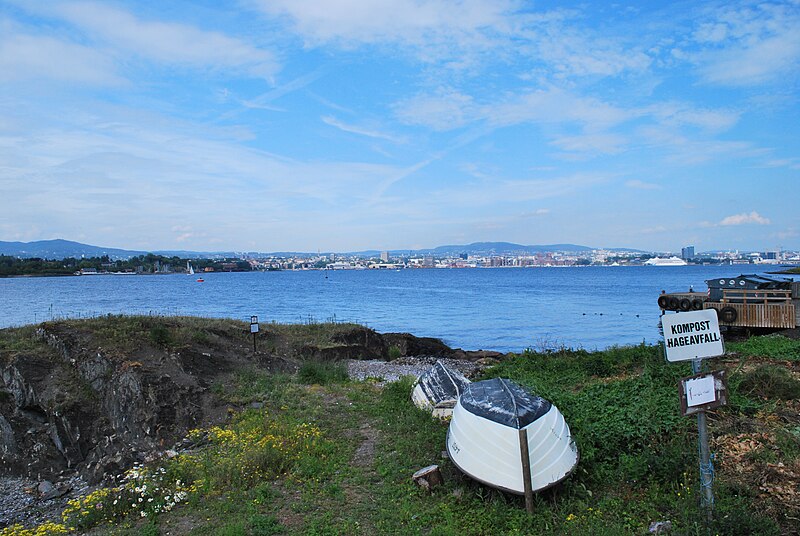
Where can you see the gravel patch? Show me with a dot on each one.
(391, 371)
(26, 501)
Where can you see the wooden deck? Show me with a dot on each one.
(757, 308)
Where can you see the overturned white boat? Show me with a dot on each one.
(493, 423)
(438, 389)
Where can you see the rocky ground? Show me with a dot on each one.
(389, 371)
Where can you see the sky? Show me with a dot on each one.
(345, 125)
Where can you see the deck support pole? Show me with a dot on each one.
(526, 469)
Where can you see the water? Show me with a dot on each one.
(493, 309)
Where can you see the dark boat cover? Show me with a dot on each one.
(503, 402)
(441, 383)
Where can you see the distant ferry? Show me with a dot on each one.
(671, 261)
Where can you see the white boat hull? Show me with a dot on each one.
(438, 389)
(490, 452)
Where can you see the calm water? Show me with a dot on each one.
(494, 309)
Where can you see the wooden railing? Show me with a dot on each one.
(756, 308)
(756, 296)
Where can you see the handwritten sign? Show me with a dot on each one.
(692, 335)
(700, 391)
(703, 391)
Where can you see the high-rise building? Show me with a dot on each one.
(385, 256)
(687, 252)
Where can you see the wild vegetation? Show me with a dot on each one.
(315, 453)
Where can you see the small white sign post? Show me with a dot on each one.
(254, 330)
(691, 336)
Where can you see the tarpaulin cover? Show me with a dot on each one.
(504, 402)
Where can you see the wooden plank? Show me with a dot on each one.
(526, 469)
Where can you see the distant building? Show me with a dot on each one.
(385, 256)
(687, 252)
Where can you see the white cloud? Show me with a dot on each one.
(25, 56)
(487, 193)
(641, 185)
(449, 109)
(165, 42)
(591, 143)
(445, 110)
(535, 213)
(412, 22)
(749, 44)
(678, 114)
(744, 218)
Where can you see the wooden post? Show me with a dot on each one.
(526, 470)
(428, 477)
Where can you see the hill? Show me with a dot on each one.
(62, 249)
(282, 442)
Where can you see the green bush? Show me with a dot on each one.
(771, 382)
(161, 336)
(394, 352)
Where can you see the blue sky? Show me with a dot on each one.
(343, 125)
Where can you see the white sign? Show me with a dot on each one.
(692, 335)
(700, 391)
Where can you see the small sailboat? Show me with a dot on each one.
(437, 390)
(189, 268)
(498, 428)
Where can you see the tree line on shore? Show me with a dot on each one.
(145, 264)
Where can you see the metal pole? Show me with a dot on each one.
(254, 342)
(706, 468)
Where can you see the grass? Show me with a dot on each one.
(769, 346)
(322, 372)
(321, 454)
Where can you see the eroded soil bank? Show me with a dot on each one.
(93, 397)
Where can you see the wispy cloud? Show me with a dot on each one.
(744, 219)
(362, 131)
(641, 185)
(749, 44)
(165, 42)
(26, 56)
(418, 23)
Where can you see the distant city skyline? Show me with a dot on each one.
(299, 125)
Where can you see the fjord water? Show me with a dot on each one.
(504, 309)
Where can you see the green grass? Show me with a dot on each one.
(300, 464)
(322, 372)
(769, 346)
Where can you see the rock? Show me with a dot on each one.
(410, 345)
(8, 444)
(55, 492)
(660, 527)
(45, 487)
